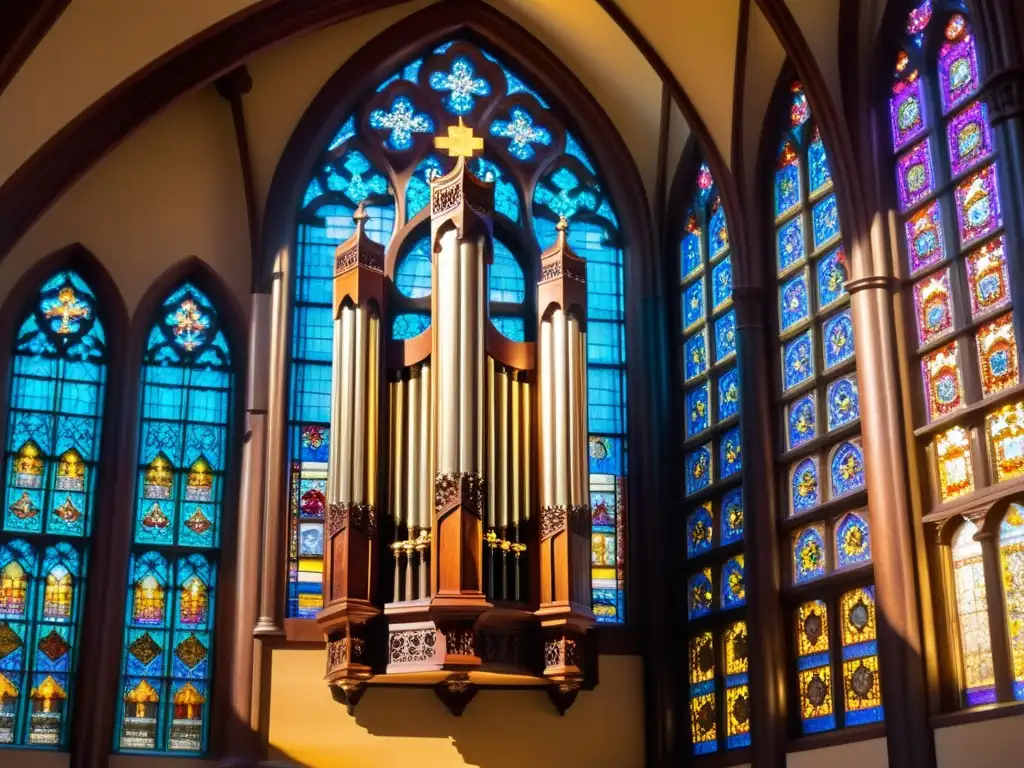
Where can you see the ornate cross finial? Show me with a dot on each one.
(460, 141)
(360, 217)
(563, 229)
(67, 309)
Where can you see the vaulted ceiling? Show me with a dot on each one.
(622, 51)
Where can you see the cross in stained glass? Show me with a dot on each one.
(403, 121)
(460, 141)
(189, 325)
(522, 133)
(461, 85)
(68, 310)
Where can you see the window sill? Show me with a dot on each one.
(978, 714)
(742, 756)
(837, 738)
(612, 640)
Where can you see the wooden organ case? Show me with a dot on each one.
(458, 524)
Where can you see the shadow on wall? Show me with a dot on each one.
(499, 729)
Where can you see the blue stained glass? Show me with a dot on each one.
(408, 325)
(817, 160)
(461, 85)
(563, 194)
(732, 516)
(689, 255)
(725, 336)
(506, 198)
(843, 402)
(805, 488)
(417, 193)
(798, 360)
(401, 122)
(847, 468)
(700, 595)
(698, 409)
(695, 350)
(693, 305)
(853, 541)
(521, 133)
(58, 378)
(362, 182)
(410, 72)
(348, 130)
(313, 191)
(833, 272)
(719, 230)
(825, 221)
(794, 303)
(605, 455)
(731, 453)
(721, 285)
(787, 183)
(506, 280)
(512, 328)
(802, 420)
(573, 148)
(734, 589)
(808, 555)
(790, 244)
(728, 394)
(413, 273)
(838, 339)
(700, 527)
(698, 469)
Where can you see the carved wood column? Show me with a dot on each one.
(764, 607)
(461, 234)
(350, 565)
(565, 579)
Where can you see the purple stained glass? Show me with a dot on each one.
(906, 110)
(926, 243)
(958, 72)
(987, 277)
(970, 137)
(790, 243)
(919, 18)
(978, 209)
(915, 175)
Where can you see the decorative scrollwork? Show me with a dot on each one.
(411, 645)
(552, 520)
(460, 641)
(445, 199)
(362, 517)
(337, 654)
(463, 488)
(561, 652)
(551, 270)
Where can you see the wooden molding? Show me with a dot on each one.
(23, 24)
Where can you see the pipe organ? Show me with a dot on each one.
(463, 493)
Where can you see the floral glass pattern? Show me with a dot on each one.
(847, 468)
(838, 339)
(728, 395)
(853, 541)
(1005, 428)
(700, 529)
(805, 489)
(944, 388)
(790, 244)
(818, 165)
(725, 336)
(462, 86)
(915, 175)
(802, 420)
(702, 693)
(732, 516)
(956, 471)
(833, 272)
(731, 459)
(693, 306)
(58, 374)
(814, 676)
(787, 181)
(933, 304)
(734, 590)
(925, 240)
(958, 69)
(798, 360)
(843, 402)
(978, 210)
(698, 469)
(166, 669)
(698, 409)
(972, 612)
(997, 355)
(970, 137)
(987, 278)
(907, 114)
(695, 350)
(701, 595)
(862, 686)
(721, 285)
(809, 554)
(825, 222)
(737, 664)
(794, 302)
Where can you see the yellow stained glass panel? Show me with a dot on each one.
(702, 658)
(703, 719)
(1006, 437)
(736, 654)
(861, 684)
(737, 715)
(858, 611)
(815, 692)
(956, 473)
(812, 628)
(1011, 550)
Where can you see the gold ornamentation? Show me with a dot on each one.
(460, 141)
(53, 646)
(68, 309)
(459, 488)
(144, 648)
(190, 651)
(362, 517)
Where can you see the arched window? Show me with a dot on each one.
(1011, 552)
(382, 156)
(58, 377)
(184, 451)
(824, 523)
(716, 586)
(955, 274)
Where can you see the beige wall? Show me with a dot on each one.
(861, 754)
(990, 744)
(603, 729)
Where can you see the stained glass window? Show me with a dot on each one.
(54, 424)
(1011, 553)
(713, 469)
(534, 162)
(962, 312)
(824, 478)
(184, 452)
